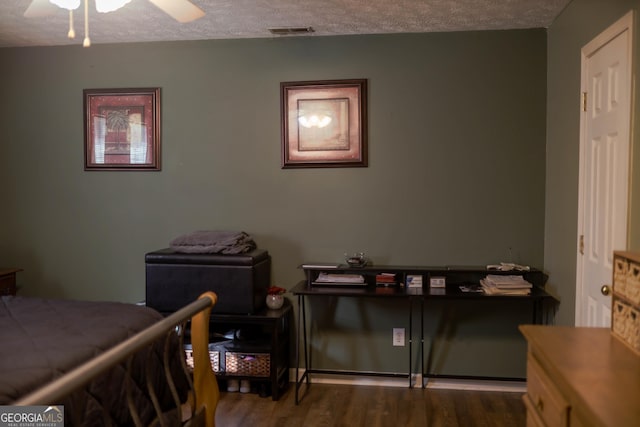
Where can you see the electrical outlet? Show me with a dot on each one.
(398, 337)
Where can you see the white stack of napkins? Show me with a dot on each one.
(497, 284)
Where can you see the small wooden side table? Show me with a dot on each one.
(8, 281)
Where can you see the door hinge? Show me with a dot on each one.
(581, 244)
(584, 101)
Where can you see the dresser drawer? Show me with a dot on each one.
(576, 421)
(533, 418)
(542, 397)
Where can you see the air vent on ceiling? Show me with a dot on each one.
(290, 31)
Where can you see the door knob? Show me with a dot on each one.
(605, 289)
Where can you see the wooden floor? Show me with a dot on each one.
(373, 406)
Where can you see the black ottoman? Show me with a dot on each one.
(175, 279)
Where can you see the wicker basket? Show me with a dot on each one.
(625, 307)
(632, 284)
(620, 270)
(214, 357)
(246, 364)
(626, 324)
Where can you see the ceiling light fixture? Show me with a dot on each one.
(105, 6)
(181, 10)
(87, 41)
(66, 4)
(102, 6)
(70, 5)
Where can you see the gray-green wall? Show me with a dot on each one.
(456, 173)
(455, 176)
(473, 143)
(580, 22)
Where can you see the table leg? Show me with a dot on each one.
(410, 338)
(422, 342)
(302, 330)
(298, 349)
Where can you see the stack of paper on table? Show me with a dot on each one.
(339, 279)
(495, 284)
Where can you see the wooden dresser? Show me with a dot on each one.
(580, 377)
(8, 281)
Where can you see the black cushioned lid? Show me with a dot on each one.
(169, 256)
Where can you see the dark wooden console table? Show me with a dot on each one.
(455, 276)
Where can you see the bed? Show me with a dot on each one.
(107, 363)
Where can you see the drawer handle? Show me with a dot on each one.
(540, 404)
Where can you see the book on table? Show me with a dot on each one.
(386, 279)
(414, 281)
(329, 279)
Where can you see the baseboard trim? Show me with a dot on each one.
(478, 385)
(433, 383)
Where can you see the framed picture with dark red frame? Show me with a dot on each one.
(324, 123)
(122, 129)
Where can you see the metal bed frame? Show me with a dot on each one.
(204, 393)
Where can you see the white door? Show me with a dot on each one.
(604, 168)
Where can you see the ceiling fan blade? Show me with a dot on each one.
(181, 10)
(40, 8)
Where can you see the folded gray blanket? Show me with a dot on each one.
(213, 242)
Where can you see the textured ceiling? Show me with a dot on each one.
(140, 21)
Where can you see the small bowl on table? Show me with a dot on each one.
(356, 260)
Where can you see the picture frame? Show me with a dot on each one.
(324, 123)
(122, 129)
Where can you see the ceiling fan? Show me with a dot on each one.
(181, 10)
